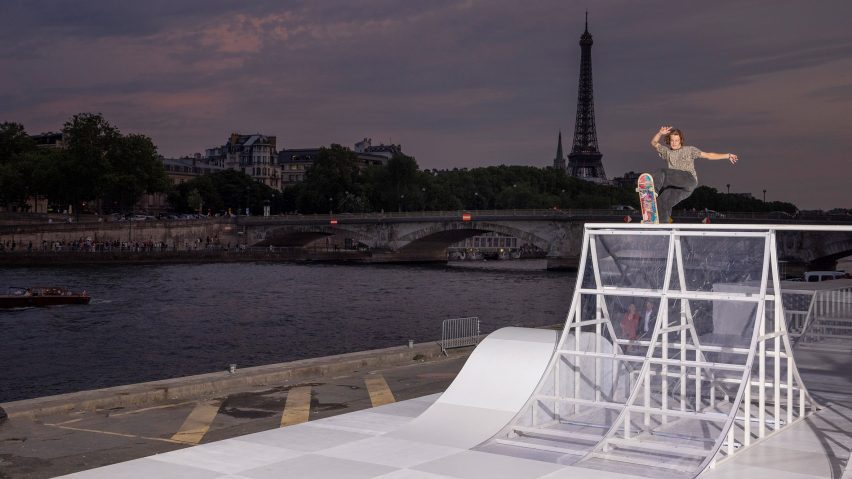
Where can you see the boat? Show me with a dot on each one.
(28, 297)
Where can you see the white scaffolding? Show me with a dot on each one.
(712, 374)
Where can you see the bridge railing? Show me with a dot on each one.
(434, 215)
(588, 213)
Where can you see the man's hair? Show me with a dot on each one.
(677, 132)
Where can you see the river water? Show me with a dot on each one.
(163, 321)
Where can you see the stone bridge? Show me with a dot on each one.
(419, 236)
(424, 237)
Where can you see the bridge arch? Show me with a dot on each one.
(816, 250)
(303, 235)
(436, 238)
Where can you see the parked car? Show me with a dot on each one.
(816, 276)
(713, 214)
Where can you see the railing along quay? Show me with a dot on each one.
(579, 215)
(532, 214)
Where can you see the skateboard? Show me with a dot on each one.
(647, 198)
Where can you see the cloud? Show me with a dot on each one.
(458, 83)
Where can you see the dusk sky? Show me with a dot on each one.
(456, 83)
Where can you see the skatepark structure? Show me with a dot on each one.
(712, 377)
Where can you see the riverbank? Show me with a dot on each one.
(67, 258)
(56, 435)
(224, 382)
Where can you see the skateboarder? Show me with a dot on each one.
(676, 182)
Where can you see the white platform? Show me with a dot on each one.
(431, 437)
(363, 445)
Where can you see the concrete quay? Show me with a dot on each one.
(67, 258)
(56, 435)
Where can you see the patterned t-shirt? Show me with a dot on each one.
(681, 159)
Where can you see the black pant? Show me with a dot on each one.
(673, 186)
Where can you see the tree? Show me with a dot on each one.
(15, 148)
(220, 192)
(331, 182)
(14, 142)
(134, 169)
(86, 167)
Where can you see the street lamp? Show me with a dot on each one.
(729, 188)
(764, 196)
(330, 208)
(423, 190)
(401, 199)
(248, 207)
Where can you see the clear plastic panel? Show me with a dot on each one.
(710, 260)
(630, 261)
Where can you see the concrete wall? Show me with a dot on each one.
(169, 232)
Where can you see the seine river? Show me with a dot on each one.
(162, 321)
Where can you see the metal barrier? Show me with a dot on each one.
(459, 332)
(827, 320)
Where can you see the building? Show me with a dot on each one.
(366, 149)
(50, 140)
(181, 170)
(294, 164)
(559, 161)
(629, 180)
(255, 155)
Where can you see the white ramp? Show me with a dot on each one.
(495, 382)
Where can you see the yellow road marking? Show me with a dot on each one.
(198, 422)
(109, 433)
(297, 408)
(379, 391)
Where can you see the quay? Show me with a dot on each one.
(69, 433)
(63, 434)
(234, 255)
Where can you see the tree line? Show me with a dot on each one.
(114, 170)
(98, 163)
(336, 183)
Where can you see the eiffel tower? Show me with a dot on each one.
(584, 161)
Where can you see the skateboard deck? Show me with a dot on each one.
(647, 198)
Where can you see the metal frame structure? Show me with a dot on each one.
(675, 403)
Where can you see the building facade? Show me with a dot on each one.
(255, 155)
